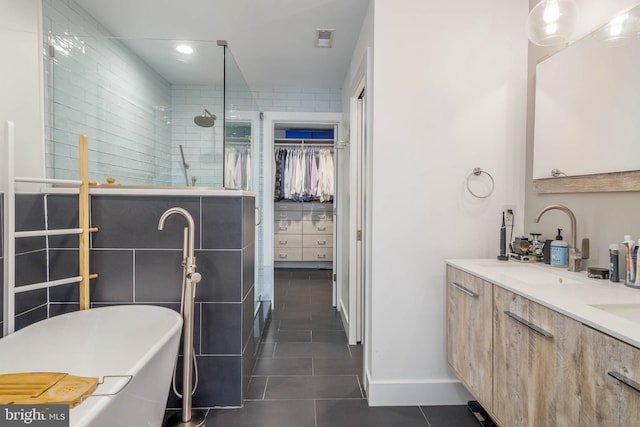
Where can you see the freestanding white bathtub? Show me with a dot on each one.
(137, 340)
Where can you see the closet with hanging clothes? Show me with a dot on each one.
(304, 188)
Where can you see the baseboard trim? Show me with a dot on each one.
(416, 393)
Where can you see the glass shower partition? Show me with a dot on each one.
(243, 168)
(136, 99)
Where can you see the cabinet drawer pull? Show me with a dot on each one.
(322, 228)
(284, 216)
(529, 325)
(624, 380)
(283, 228)
(283, 242)
(323, 216)
(322, 242)
(465, 290)
(322, 256)
(283, 256)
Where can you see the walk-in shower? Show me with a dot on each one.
(205, 120)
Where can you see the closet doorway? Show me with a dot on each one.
(303, 210)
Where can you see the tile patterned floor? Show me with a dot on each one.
(308, 376)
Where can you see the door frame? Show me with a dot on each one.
(269, 121)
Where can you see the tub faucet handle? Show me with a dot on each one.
(194, 277)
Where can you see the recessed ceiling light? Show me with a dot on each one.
(324, 38)
(184, 48)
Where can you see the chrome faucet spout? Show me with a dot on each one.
(566, 210)
(575, 255)
(190, 247)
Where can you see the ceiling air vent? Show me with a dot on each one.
(324, 38)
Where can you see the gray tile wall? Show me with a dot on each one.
(137, 264)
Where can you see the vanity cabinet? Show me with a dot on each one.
(606, 400)
(303, 231)
(469, 339)
(536, 354)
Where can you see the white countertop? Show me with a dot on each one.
(115, 190)
(570, 293)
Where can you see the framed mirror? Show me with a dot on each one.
(587, 117)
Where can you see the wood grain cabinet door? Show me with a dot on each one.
(610, 382)
(469, 332)
(536, 364)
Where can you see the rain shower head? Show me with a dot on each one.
(206, 120)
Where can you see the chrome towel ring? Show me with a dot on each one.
(479, 172)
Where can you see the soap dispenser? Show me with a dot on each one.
(559, 251)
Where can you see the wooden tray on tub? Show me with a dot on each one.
(32, 388)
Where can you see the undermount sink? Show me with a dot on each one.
(532, 275)
(626, 311)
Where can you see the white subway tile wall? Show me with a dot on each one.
(136, 120)
(97, 86)
(298, 99)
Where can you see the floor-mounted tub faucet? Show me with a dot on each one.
(187, 417)
(575, 255)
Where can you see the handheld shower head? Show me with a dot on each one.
(205, 120)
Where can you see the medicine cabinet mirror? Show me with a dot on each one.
(587, 116)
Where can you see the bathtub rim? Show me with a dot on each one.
(93, 406)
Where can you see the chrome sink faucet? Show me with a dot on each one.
(575, 255)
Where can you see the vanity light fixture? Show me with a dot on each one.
(184, 49)
(324, 38)
(620, 29)
(552, 22)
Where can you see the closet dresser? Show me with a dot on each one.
(303, 231)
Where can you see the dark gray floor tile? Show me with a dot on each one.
(357, 413)
(255, 389)
(287, 324)
(313, 349)
(356, 351)
(273, 366)
(309, 387)
(450, 416)
(300, 302)
(266, 349)
(337, 367)
(327, 335)
(291, 315)
(292, 335)
(265, 414)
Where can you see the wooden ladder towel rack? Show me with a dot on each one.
(83, 230)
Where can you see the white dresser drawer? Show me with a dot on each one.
(287, 206)
(317, 241)
(287, 254)
(318, 216)
(287, 215)
(287, 240)
(317, 227)
(287, 227)
(318, 207)
(317, 254)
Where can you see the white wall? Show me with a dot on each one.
(449, 86)
(21, 83)
(604, 218)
